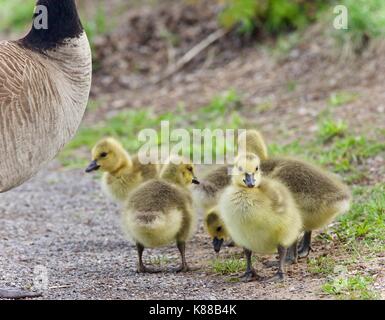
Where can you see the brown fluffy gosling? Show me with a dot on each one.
(259, 213)
(159, 212)
(122, 173)
(207, 193)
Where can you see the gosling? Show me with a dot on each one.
(122, 173)
(208, 192)
(159, 212)
(216, 229)
(320, 195)
(260, 214)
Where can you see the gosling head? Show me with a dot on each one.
(252, 141)
(108, 155)
(180, 171)
(246, 171)
(216, 229)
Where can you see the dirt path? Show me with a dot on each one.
(73, 231)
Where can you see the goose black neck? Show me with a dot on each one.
(62, 23)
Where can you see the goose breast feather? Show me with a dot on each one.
(42, 102)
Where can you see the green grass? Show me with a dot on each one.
(347, 153)
(321, 265)
(15, 14)
(341, 98)
(366, 22)
(365, 223)
(351, 288)
(291, 149)
(221, 112)
(228, 266)
(335, 148)
(329, 129)
(273, 16)
(159, 260)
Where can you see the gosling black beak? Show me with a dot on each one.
(195, 181)
(217, 244)
(93, 166)
(249, 180)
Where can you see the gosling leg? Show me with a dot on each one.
(291, 257)
(292, 254)
(250, 274)
(305, 247)
(184, 267)
(141, 267)
(280, 275)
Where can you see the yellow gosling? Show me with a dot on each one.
(159, 212)
(259, 213)
(122, 173)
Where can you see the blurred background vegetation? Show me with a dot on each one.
(366, 17)
(314, 91)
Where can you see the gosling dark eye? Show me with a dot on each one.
(240, 169)
(219, 229)
(257, 168)
(103, 154)
(190, 169)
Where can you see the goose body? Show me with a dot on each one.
(45, 81)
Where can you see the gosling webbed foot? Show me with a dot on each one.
(278, 277)
(275, 264)
(144, 269)
(282, 254)
(184, 268)
(14, 293)
(303, 252)
(250, 276)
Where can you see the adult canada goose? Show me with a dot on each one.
(45, 81)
